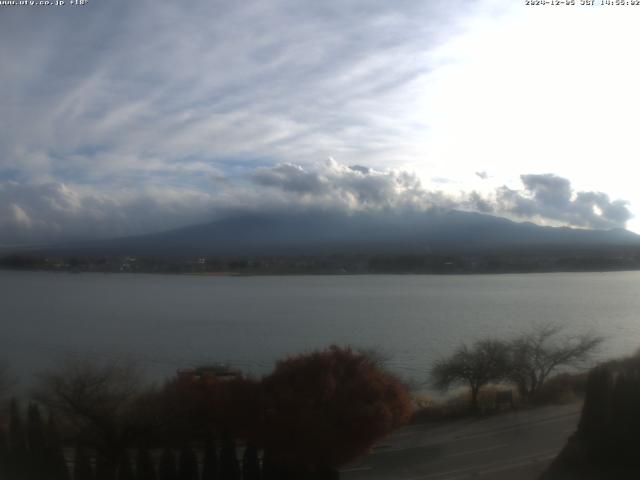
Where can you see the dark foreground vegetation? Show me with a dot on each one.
(314, 413)
(606, 444)
(88, 420)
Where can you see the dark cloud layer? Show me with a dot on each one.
(36, 213)
(40, 212)
(546, 198)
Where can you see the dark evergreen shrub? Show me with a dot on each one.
(125, 470)
(210, 467)
(250, 463)
(187, 464)
(82, 468)
(229, 467)
(167, 469)
(145, 469)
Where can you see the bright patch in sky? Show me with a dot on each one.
(544, 90)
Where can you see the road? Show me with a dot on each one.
(516, 445)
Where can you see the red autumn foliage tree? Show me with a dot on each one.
(198, 406)
(184, 406)
(325, 408)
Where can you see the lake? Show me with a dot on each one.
(168, 322)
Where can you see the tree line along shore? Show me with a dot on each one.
(490, 262)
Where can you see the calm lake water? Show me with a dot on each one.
(168, 322)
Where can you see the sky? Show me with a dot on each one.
(123, 118)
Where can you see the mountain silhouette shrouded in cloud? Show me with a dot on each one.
(324, 233)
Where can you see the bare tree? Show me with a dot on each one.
(484, 362)
(537, 354)
(100, 401)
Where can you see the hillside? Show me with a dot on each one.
(322, 233)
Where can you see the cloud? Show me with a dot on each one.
(355, 187)
(147, 85)
(477, 203)
(289, 177)
(53, 211)
(545, 198)
(20, 217)
(46, 211)
(548, 197)
(37, 213)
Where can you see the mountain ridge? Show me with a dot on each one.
(325, 233)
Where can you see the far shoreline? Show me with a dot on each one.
(231, 274)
